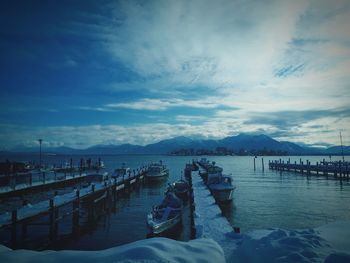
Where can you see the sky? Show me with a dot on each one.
(81, 73)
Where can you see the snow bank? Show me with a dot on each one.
(148, 250)
(330, 243)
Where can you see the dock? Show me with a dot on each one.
(20, 183)
(207, 216)
(95, 194)
(340, 169)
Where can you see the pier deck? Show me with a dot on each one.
(29, 211)
(97, 193)
(337, 169)
(17, 184)
(208, 219)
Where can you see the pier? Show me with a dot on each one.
(207, 216)
(50, 211)
(338, 169)
(21, 183)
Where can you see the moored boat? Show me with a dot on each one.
(165, 216)
(121, 172)
(180, 188)
(157, 171)
(221, 187)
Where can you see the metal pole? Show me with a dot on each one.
(40, 141)
(341, 144)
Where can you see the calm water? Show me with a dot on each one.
(261, 200)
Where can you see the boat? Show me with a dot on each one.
(203, 162)
(165, 216)
(210, 170)
(157, 171)
(221, 186)
(121, 172)
(180, 188)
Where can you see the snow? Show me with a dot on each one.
(148, 250)
(59, 200)
(208, 220)
(216, 242)
(7, 189)
(329, 243)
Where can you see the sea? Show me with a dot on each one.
(263, 199)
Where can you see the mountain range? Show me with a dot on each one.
(233, 144)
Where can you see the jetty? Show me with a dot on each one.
(207, 218)
(21, 183)
(339, 169)
(49, 211)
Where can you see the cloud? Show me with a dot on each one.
(203, 42)
(275, 67)
(163, 104)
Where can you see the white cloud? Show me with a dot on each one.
(163, 104)
(235, 48)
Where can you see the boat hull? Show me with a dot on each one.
(158, 228)
(156, 177)
(222, 195)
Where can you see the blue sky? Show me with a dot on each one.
(80, 73)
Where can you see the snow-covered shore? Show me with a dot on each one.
(329, 243)
(148, 250)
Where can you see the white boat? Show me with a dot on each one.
(122, 172)
(165, 216)
(157, 171)
(221, 186)
(211, 169)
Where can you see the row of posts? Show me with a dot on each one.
(54, 210)
(262, 164)
(337, 168)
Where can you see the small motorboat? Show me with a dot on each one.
(212, 169)
(157, 171)
(221, 187)
(165, 216)
(180, 188)
(122, 172)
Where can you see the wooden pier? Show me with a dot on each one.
(21, 183)
(93, 195)
(338, 169)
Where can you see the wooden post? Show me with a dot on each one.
(302, 167)
(114, 190)
(24, 230)
(55, 223)
(75, 216)
(295, 166)
(14, 229)
(254, 164)
(93, 187)
(52, 219)
(262, 163)
(317, 168)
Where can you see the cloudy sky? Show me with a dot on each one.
(79, 73)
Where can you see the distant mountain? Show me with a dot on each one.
(114, 149)
(336, 150)
(234, 144)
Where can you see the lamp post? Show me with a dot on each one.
(40, 141)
